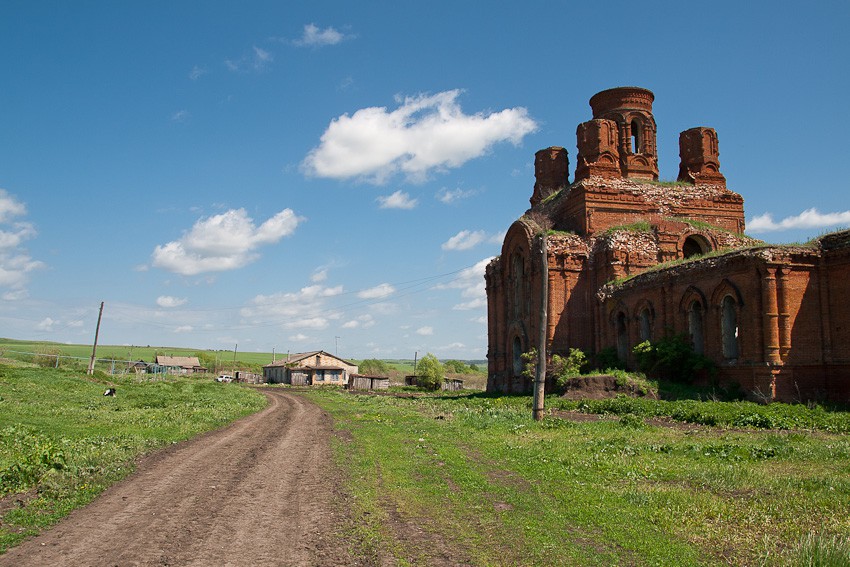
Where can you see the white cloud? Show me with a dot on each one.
(15, 295)
(476, 303)
(448, 196)
(425, 331)
(169, 301)
(381, 290)
(464, 240)
(472, 285)
(364, 321)
(808, 219)
(398, 200)
(15, 263)
(180, 116)
(46, 324)
(299, 338)
(10, 207)
(319, 275)
(305, 309)
(426, 132)
(257, 61)
(197, 72)
(315, 37)
(223, 242)
(184, 329)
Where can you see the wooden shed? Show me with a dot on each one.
(452, 384)
(361, 382)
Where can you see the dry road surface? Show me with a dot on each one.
(259, 492)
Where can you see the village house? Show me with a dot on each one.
(177, 365)
(622, 258)
(309, 368)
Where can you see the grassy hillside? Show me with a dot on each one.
(62, 442)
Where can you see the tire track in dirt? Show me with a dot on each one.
(260, 492)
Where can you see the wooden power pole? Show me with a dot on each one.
(94, 348)
(540, 375)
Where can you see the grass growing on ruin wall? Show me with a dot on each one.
(471, 479)
(62, 442)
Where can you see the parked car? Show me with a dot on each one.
(224, 378)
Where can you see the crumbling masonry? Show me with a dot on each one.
(631, 259)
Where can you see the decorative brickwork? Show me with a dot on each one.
(773, 318)
(598, 149)
(700, 156)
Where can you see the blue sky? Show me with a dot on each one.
(335, 175)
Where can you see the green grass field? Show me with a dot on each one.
(112, 358)
(62, 442)
(489, 486)
(469, 478)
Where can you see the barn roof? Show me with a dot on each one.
(181, 361)
(295, 358)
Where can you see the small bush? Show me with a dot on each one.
(34, 456)
(632, 421)
(429, 373)
(566, 367)
(46, 357)
(607, 358)
(373, 367)
(672, 358)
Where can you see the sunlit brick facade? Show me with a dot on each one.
(774, 318)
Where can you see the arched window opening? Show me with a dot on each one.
(695, 327)
(517, 357)
(694, 246)
(637, 146)
(622, 337)
(729, 327)
(518, 284)
(645, 321)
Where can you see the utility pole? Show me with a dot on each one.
(94, 348)
(236, 346)
(540, 376)
(415, 360)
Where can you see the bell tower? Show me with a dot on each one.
(630, 108)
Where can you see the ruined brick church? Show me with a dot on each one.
(629, 259)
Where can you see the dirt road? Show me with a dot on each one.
(259, 492)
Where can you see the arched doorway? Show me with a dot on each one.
(695, 245)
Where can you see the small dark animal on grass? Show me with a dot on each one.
(109, 392)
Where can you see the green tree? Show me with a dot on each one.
(456, 367)
(373, 367)
(429, 372)
(207, 360)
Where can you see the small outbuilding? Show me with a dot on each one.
(361, 382)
